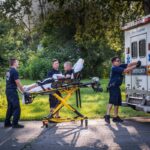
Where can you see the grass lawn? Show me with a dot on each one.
(93, 104)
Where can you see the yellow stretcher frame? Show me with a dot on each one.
(67, 88)
(68, 92)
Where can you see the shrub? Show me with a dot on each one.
(35, 69)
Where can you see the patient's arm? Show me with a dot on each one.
(39, 86)
(29, 87)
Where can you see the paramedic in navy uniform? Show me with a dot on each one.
(52, 100)
(12, 83)
(115, 82)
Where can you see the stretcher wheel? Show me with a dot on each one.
(86, 123)
(45, 124)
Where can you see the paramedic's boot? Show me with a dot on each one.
(117, 119)
(18, 126)
(7, 125)
(107, 118)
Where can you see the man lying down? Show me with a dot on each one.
(46, 84)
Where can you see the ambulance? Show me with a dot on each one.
(137, 47)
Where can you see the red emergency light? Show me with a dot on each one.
(138, 22)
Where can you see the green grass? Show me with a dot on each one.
(93, 104)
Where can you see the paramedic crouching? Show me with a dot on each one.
(115, 82)
(12, 83)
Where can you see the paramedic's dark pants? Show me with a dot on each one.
(53, 100)
(13, 108)
(115, 96)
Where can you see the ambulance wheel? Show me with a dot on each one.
(81, 123)
(86, 123)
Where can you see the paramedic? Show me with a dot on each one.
(115, 82)
(12, 83)
(52, 100)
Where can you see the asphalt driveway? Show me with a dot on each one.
(133, 134)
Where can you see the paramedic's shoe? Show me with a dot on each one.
(117, 119)
(18, 126)
(7, 125)
(107, 118)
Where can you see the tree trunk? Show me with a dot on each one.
(146, 7)
(42, 11)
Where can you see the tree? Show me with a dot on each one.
(96, 26)
(83, 28)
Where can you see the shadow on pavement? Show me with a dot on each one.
(132, 134)
(135, 133)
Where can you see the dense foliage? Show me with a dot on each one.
(67, 30)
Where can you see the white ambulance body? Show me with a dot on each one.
(137, 47)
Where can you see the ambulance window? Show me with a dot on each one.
(142, 48)
(134, 49)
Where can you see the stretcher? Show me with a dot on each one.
(67, 87)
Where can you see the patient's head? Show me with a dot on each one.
(55, 64)
(67, 66)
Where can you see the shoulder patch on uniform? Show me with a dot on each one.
(7, 75)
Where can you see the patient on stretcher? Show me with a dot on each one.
(41, 85)
(47, 83)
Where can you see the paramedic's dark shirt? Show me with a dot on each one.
(53, 100)
(70, 72)
(11, 76)
(52, 72)
(116, 76)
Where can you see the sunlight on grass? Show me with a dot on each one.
(93, 104)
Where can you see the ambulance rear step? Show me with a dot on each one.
(139, 98)
(135, 100)
(137, 107)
